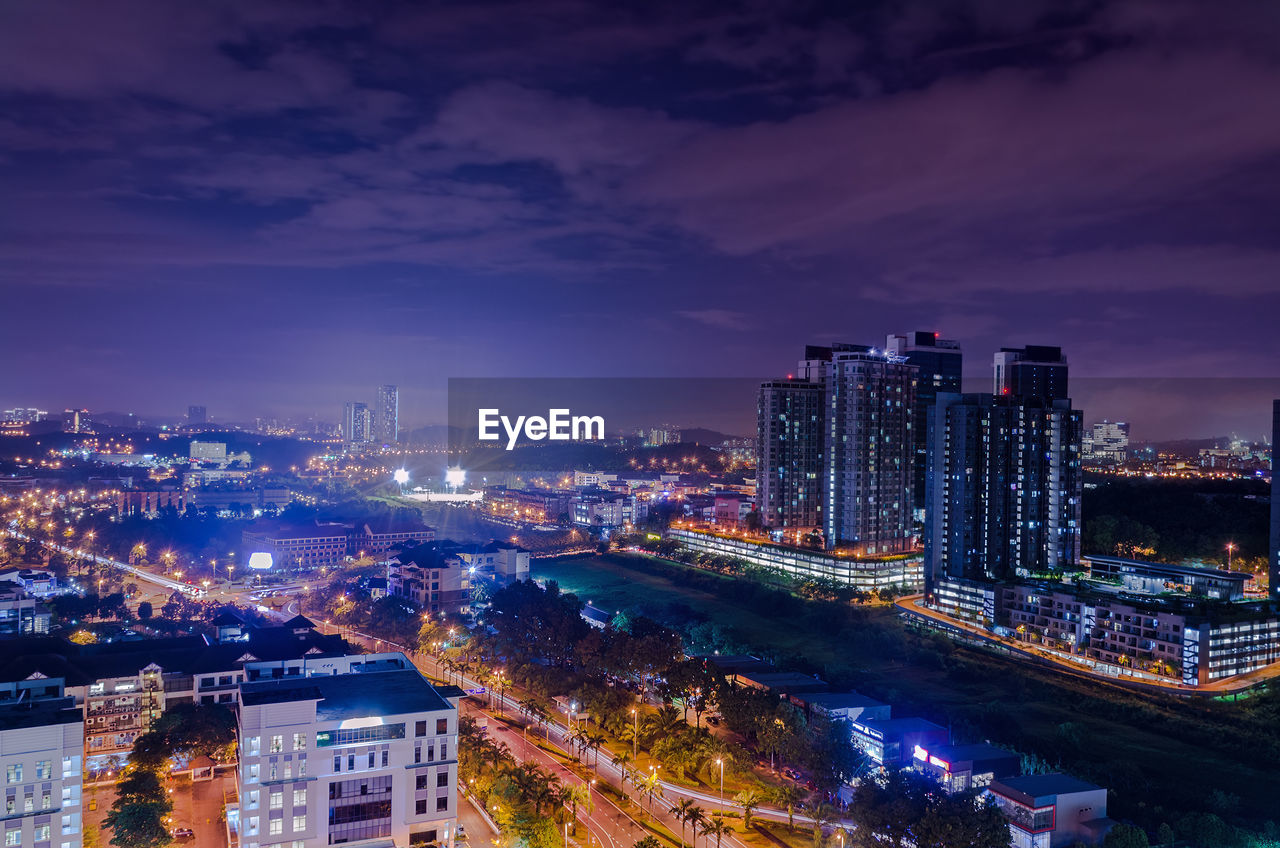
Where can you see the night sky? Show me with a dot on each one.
(271, 207)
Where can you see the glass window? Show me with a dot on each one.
(442, 804)
(275, 827)
(277, 800)
(300, 822)
(442, 779)
(442, 725)
(299, 741)
(277, 744)
(13, 773)
(299, 797)
(44, 769)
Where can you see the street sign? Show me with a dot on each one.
(480, 690)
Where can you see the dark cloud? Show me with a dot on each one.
(380, 191)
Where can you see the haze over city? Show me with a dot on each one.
(264, 208)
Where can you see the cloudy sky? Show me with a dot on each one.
(270, 207)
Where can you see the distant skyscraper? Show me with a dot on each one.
(197, 415)
(76, 421)
(1107, 441)
(1034, 372)
(1275, 500)
(356, 423)
(386, 416)
(940, 362)
(789, 460)
(1004, 488)
(867, 450)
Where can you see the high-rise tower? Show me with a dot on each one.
(1034, 372)
(386, 415)
(940, 364)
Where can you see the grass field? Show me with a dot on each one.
(1163, 756)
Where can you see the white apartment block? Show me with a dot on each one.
(41, 745)
(358, 751)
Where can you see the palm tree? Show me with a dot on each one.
(594, 742)
(650, 785)
(665, 722)
(681, 811)
(696, 818)
(623, 761)
(748, 800)
(822, 814)
(574, 796)
(788, 796)
(718, 827)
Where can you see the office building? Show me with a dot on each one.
(1107, 442)
(356, 423)
(197, 415)
(940, 363)
(41, 745)
(20, 613)
(1275, 501)
(1004, 488)
(207, 451)
(1051, 810)
(891, 743)
(867, 451)
(789, 459)
(363, 756)
(24, 415)
(1034, 372)
(385, 425)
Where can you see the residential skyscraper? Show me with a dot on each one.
(1107, 441)
(867, 450)
(386, 416)
(940, 362)
(41, 751)
(1034, 372)
(356, 423)
(197, 415)
(1004, 488)
(789, 458)
(1275, 500)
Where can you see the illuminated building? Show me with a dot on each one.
(1051, 810)
(939, 362)
(1004, 488)
(357, 749)
(385, 423)
(356, 423)
(41, 745)
(297, 547)
(197, 415)
(789, 460)
(1107, 441)
(433, 576)
(76, 421)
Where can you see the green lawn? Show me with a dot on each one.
(1161, 755)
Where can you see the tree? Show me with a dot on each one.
(1164, 834)
(789, 796)
(822, 814)
(748, 800)
(144, 611)
(648, 842)
(1126, 836)
(136, 818)
(185, 730)
(681, 812)
(716, 826)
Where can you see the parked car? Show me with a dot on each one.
(714, 721)
(183, 833)
(461, 832)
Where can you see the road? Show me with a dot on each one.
(142, 574)
(608, 823)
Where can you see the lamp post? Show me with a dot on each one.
(1231, 546)
(635, 734)
(720, 762)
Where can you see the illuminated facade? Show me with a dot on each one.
(789, 459)
(385, 425)
(1275, 500)
(361, 752)
(939, 363)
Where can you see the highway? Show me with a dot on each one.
(142, 574)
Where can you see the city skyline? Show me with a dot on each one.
(333, 197)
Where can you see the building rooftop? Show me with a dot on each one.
(980, 752)
(355, 695)
(895, 726)
(841, 700)
(40, 714)
(1036, 790)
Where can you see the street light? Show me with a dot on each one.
(720, 762)
(1231, 546)
(635, 734)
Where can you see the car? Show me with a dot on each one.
(714, 721)
(183, 833)
(791, 773)
(461, 832)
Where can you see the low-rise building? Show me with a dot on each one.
(431, 576)
(843, 706)
(21, 614)
(41, 745)
(892, 742)
(1050, 810)
(297, 547)
(960, 768)
(375, 538)
(364, 756)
